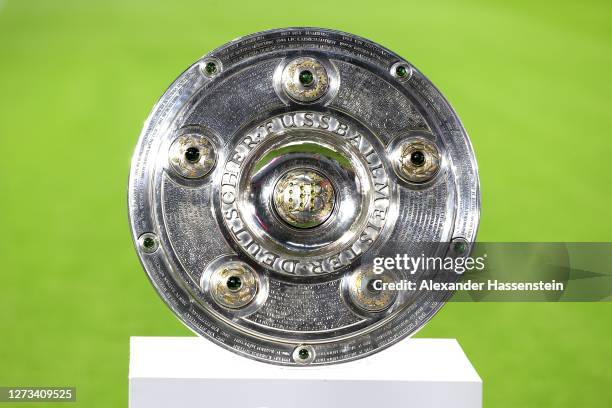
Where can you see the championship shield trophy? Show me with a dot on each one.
(267, 180)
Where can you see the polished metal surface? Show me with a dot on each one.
(304, 198)
(416, 159)
(192, 155)
(272, 172)
(234, 284)
(305, 79)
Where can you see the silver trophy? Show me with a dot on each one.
(274, 170)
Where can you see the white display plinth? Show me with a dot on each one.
(186, 372)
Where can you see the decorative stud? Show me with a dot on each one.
(192, 155)
(148, 242)
(303, 354)
(417, 160)
(305, 79)
(234, 285)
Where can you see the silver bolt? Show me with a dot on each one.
(303, 354)
(211, 67)
(148, 242)
(459, 247)
(401, 71)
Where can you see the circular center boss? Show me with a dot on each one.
(303, 198)
(276, 172)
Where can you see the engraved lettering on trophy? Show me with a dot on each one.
(267, 256)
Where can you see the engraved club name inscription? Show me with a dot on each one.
(255, 247)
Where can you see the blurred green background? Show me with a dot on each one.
(530, 80)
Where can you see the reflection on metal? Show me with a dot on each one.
(304, 198)
(418, 160)
(305, 79)
(192, 155)
(365, 289)
(275, 170)
(234, 285)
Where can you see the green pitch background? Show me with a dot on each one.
(530, 80)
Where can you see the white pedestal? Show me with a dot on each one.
(186, 372)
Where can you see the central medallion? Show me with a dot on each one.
(304, 198)
(306, 193)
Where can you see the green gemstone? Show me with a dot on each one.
(459, 247)
(303, 354)
(417, 158)
(234, 283)
(306, 78)
(401, 71)
(370, 286)
(192, 154)
(210, 68)
(148, 242)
